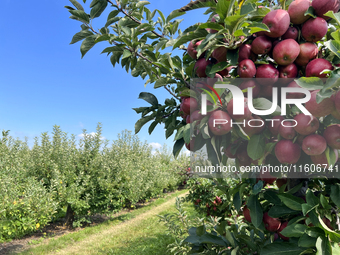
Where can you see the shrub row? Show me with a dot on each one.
(60, 177)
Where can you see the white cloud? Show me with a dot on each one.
(91, 134)
(155, 145)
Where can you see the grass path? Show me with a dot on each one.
(143, 234)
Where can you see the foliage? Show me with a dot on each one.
(38, 184)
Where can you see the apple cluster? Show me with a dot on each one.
(275, 58)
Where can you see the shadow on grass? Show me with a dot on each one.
(154, 245)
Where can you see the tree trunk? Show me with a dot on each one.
(69, 217)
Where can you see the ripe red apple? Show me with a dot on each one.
(325, 107)
(286, 51)
(269, 72)
(200, 67)
(261, 45)
(290, 95)
(247, 112)
(291, 33)
(195, 116)
(243, 158)
(246, 214)
(275, 125)
(287, 130)
(271, 224)
(245, 52)
(314, 30)
(282, 227)
(266, 91)
(192, 52)
(297, 11)
(316, 66)
(327, 222)
(216, 127)
(321, 7)
(246, 69)
(308, 51)
(280, 182)
(322, 158)
(225, 72)
(314, 144)
(267, 178)
(287, 73)
(277, 21)
(287, 152)
(250, 83)
(254, 127)
(191, 145)
(220, 54)
(188, 105)
(306, 124)
(332, 136)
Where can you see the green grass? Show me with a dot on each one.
(124, 234)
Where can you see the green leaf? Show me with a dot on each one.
(218, 67)
(256, 212)
(257, 27)
(335, 194)
(271, 197)
(307, 241)
(323, 246)
(77, 5)
(232, 22)
(222, 8)
(177, 147)
(264, 104)
(198, 34)
(310, 83)
(333, 46)
(311, 12)
(80, 36)
(311, 199)
(280, 211)
(247, 8)
(335, 16)
(98, 8)
(291, 201)
(81, 16)
(142, 3)
(237, 201)
(295, 230)
(232, 56)
(256, 146)
(87, 44)
(126, 54)
(281, 249)
(148, 97)
(174, 14)
(163, 81)
(141, 122)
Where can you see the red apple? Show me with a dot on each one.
(316, 66)
(274, 126)
(221, 127)
(220, 54)
(192, 52)
(306, 124)
(287, 152)
(246, 214)
(250, 83)
(247, 112)
(188, 105)
(261, 45)
(245, 52)
(282, 227)
(322, 158)
(325, 107)
(200, 67)
(297, 11)
(332, 136)
(286, 51)
(246, 69)
(321, 7)
(287, 130)
(277, 21)
(291, 33)
(269, 72)
(287, 73)
(314, 144)
(314, 30)
(308, 51)
(290, 95)
(271, 224)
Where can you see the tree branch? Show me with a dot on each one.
(190, 5)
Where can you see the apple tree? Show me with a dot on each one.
(272, 51)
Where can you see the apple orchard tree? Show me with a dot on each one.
(270, 52)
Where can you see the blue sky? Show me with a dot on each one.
(44, 81)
